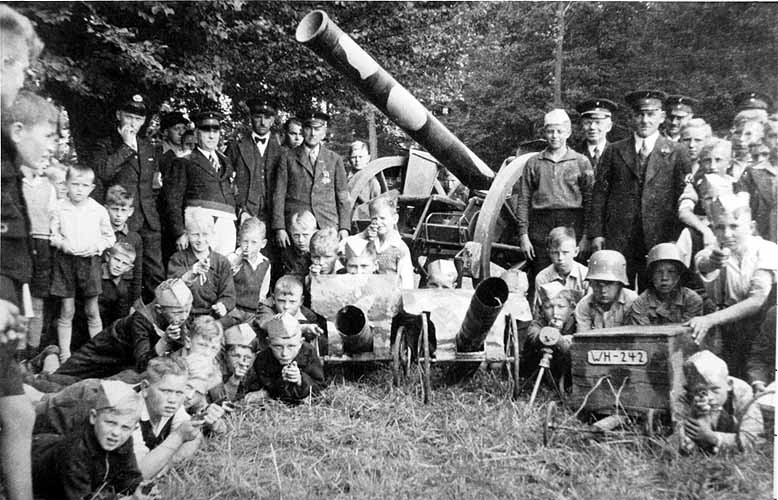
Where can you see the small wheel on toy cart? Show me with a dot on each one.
(550, 422)
(424, 360)
(401, 358)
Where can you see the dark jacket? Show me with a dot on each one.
(116, 163)
(322, 189)
(15, 244)
(193, 182)
(583, 148)
(268, 371)
(624, 205)
(218, 286)
(255, 175)
(75, 466)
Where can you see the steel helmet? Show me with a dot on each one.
(665, 251)
(607, 265)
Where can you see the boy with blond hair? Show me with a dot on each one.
(564, 269)
(80, 231)
(208, 274)
(296, 258)
(250, 271)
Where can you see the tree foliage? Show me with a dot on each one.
(485, 68)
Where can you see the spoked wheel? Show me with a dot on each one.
(496, 218)
(381, 170)
(550, 422)
(401, 358)
(425, 363)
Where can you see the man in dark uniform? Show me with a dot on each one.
(255, 160)
(203, 179)
(752, 105)
(639, 181)
(311, 177)
(596, 122)
(173, 125)
(679, 110)
(132, 161)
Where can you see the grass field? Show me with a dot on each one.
(365, 439)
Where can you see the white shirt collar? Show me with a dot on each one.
(207, 154)
(650, 142)
(600, 146)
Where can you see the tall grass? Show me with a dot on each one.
(365, 439)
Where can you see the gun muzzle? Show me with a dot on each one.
(487, 302)
(354, 328)
(317, 32)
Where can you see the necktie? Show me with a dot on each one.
(596, 154)
(260, 140)
(215, 162)
(643, 159)
(312, 157)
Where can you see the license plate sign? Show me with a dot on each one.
(617, 357)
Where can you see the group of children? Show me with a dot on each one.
(114, 409)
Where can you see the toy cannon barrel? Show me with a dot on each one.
(320, 34)
(354, 328)
(487, 302)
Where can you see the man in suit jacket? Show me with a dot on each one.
(132, 161)
(311, 177)
(596, 121)
(679, 110)
(203, 179)
(638, 184)
(255, 160)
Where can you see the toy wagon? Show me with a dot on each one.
(631, 374)
(470, 326)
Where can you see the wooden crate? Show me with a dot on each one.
(649, 358)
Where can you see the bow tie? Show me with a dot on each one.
(260, 140)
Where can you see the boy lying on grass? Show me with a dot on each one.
(95, 457)
(290, 369)
(715, 412)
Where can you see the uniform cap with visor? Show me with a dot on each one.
(596, 108)
(135, 104)
(645, 100)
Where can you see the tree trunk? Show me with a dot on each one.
(372, 137)
(560, 40)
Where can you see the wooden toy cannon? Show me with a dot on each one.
(435, 221)
(370, 319)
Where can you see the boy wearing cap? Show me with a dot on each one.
(596, 122)
(204, 179)
(442, 273)
(678, 111)
(94, 456)
(738, 275)
(555, 190)
(556, 311)
(240, 343)
(639, 181)
(131, 161)
(255, 159)
(132, 341)
(715, 413)
(360, 256)
(608, 301)
(173, 125)
(311, 177)
(665, 301)
(290, 369)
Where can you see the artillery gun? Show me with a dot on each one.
(480, 230)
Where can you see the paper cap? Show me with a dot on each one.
(283, 326)
(241, 334)
(355, 246)
(550, 290)
(443, 272)
(729, 204)
(117, 396)
(706, 368)
(556, 117)
(173, 293)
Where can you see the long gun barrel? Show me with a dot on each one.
(317, 32)
(487, 302)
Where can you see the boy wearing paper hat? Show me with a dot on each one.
(290, 369)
